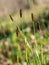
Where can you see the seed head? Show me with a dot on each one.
(32, 16)
(11, 18)
(20, 13)
(38, 26)
(17, 31)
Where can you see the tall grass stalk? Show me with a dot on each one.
(26, 43)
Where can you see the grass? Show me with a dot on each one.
(26, 47)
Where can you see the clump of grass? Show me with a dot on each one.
(35, 55)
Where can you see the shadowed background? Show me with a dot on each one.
(10, 6)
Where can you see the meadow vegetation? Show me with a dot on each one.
(24, 38)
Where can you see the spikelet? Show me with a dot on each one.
(38, 26)
(17, 31)
(32, 16)
(20, 13)
(11, 18)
